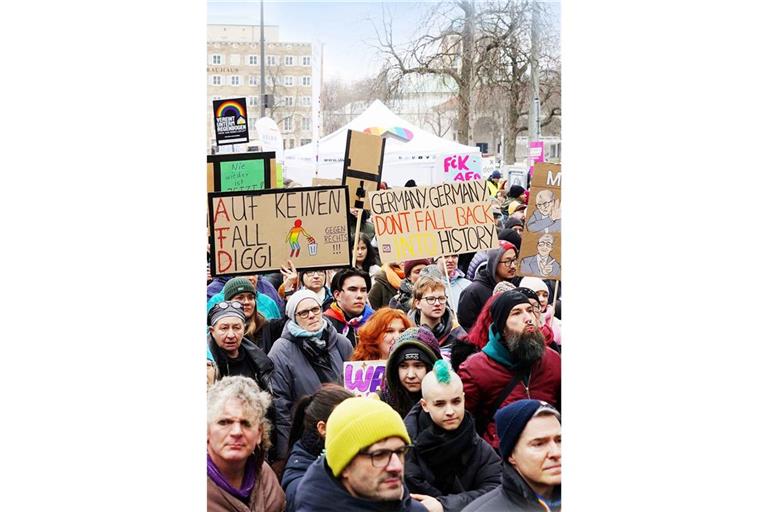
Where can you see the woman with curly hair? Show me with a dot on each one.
(376, 336)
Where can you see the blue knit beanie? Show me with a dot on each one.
(512, 419)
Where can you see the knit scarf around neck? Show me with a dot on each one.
(249, 479)
(315, 349)
(442, 450)
(394, 274)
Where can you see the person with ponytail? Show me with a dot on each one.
(307, 437)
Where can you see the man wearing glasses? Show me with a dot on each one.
(501, 267)
(547, 215)
(430, 310)
(363, 466)
(542, 264)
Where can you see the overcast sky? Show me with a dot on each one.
(345, 28)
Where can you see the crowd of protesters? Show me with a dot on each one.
(467, 416)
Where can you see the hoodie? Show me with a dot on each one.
(476, 294)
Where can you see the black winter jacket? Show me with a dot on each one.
(319, 491)
(513, 495)
(480, 467)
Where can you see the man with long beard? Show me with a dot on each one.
(514, 365)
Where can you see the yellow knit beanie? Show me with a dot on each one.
(357, 423)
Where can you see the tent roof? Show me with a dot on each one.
(377, 115)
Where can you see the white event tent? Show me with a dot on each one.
(403, 160)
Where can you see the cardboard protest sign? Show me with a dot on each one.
(318, 182)
(257, 231)
(458, 167)
(230, 119)
(425, 222)
(540, 247)
(540, 256)
(363, 160)
(543, 213)
(234, 172)
(364, 377)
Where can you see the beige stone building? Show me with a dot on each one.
(234, 71)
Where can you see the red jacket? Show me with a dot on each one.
(484, 378)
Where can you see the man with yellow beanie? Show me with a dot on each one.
(363, 466)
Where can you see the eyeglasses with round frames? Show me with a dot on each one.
(229, 304)
(508, 263)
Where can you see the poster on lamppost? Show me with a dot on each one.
(230, 120)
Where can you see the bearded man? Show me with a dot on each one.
(515, 364)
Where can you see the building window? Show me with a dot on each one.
(253, 101)
(216, 80)
(288, 81)
(288, 124)
(306, 123)
(271, 60)
(274, 80)
(306, 60)
(306, 101)
(304, 142)
(234, 59)
(253, 60)
(215, 59)
(306, 81)
(253, 80)
(291, 143)
(288, 60)
(288, 101)
(234, 80)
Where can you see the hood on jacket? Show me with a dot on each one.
(319, 491)
(494, 256)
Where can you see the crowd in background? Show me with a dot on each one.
(467, 417)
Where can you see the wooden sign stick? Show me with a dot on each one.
(448, 287)
(357, 236)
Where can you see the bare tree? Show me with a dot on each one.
(505, 70)
(447, 48)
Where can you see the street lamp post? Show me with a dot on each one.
(261, 60)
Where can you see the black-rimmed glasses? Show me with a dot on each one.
(381, 458)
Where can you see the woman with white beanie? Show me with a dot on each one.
(310, 352)
(547, 310)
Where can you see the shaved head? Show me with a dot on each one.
(430, 386)
(443, 397)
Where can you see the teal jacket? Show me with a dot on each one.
(264, 304)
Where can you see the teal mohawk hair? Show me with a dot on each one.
(442, 371)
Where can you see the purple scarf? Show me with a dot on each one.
(249, 480)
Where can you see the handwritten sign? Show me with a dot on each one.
(233, 172)
(458, 167)
(230, 119)
(364, 377)
(540, 247)
(243, 175)
(425, 222)
(363, 159)
(257, 231)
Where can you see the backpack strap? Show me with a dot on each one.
(481, 425)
